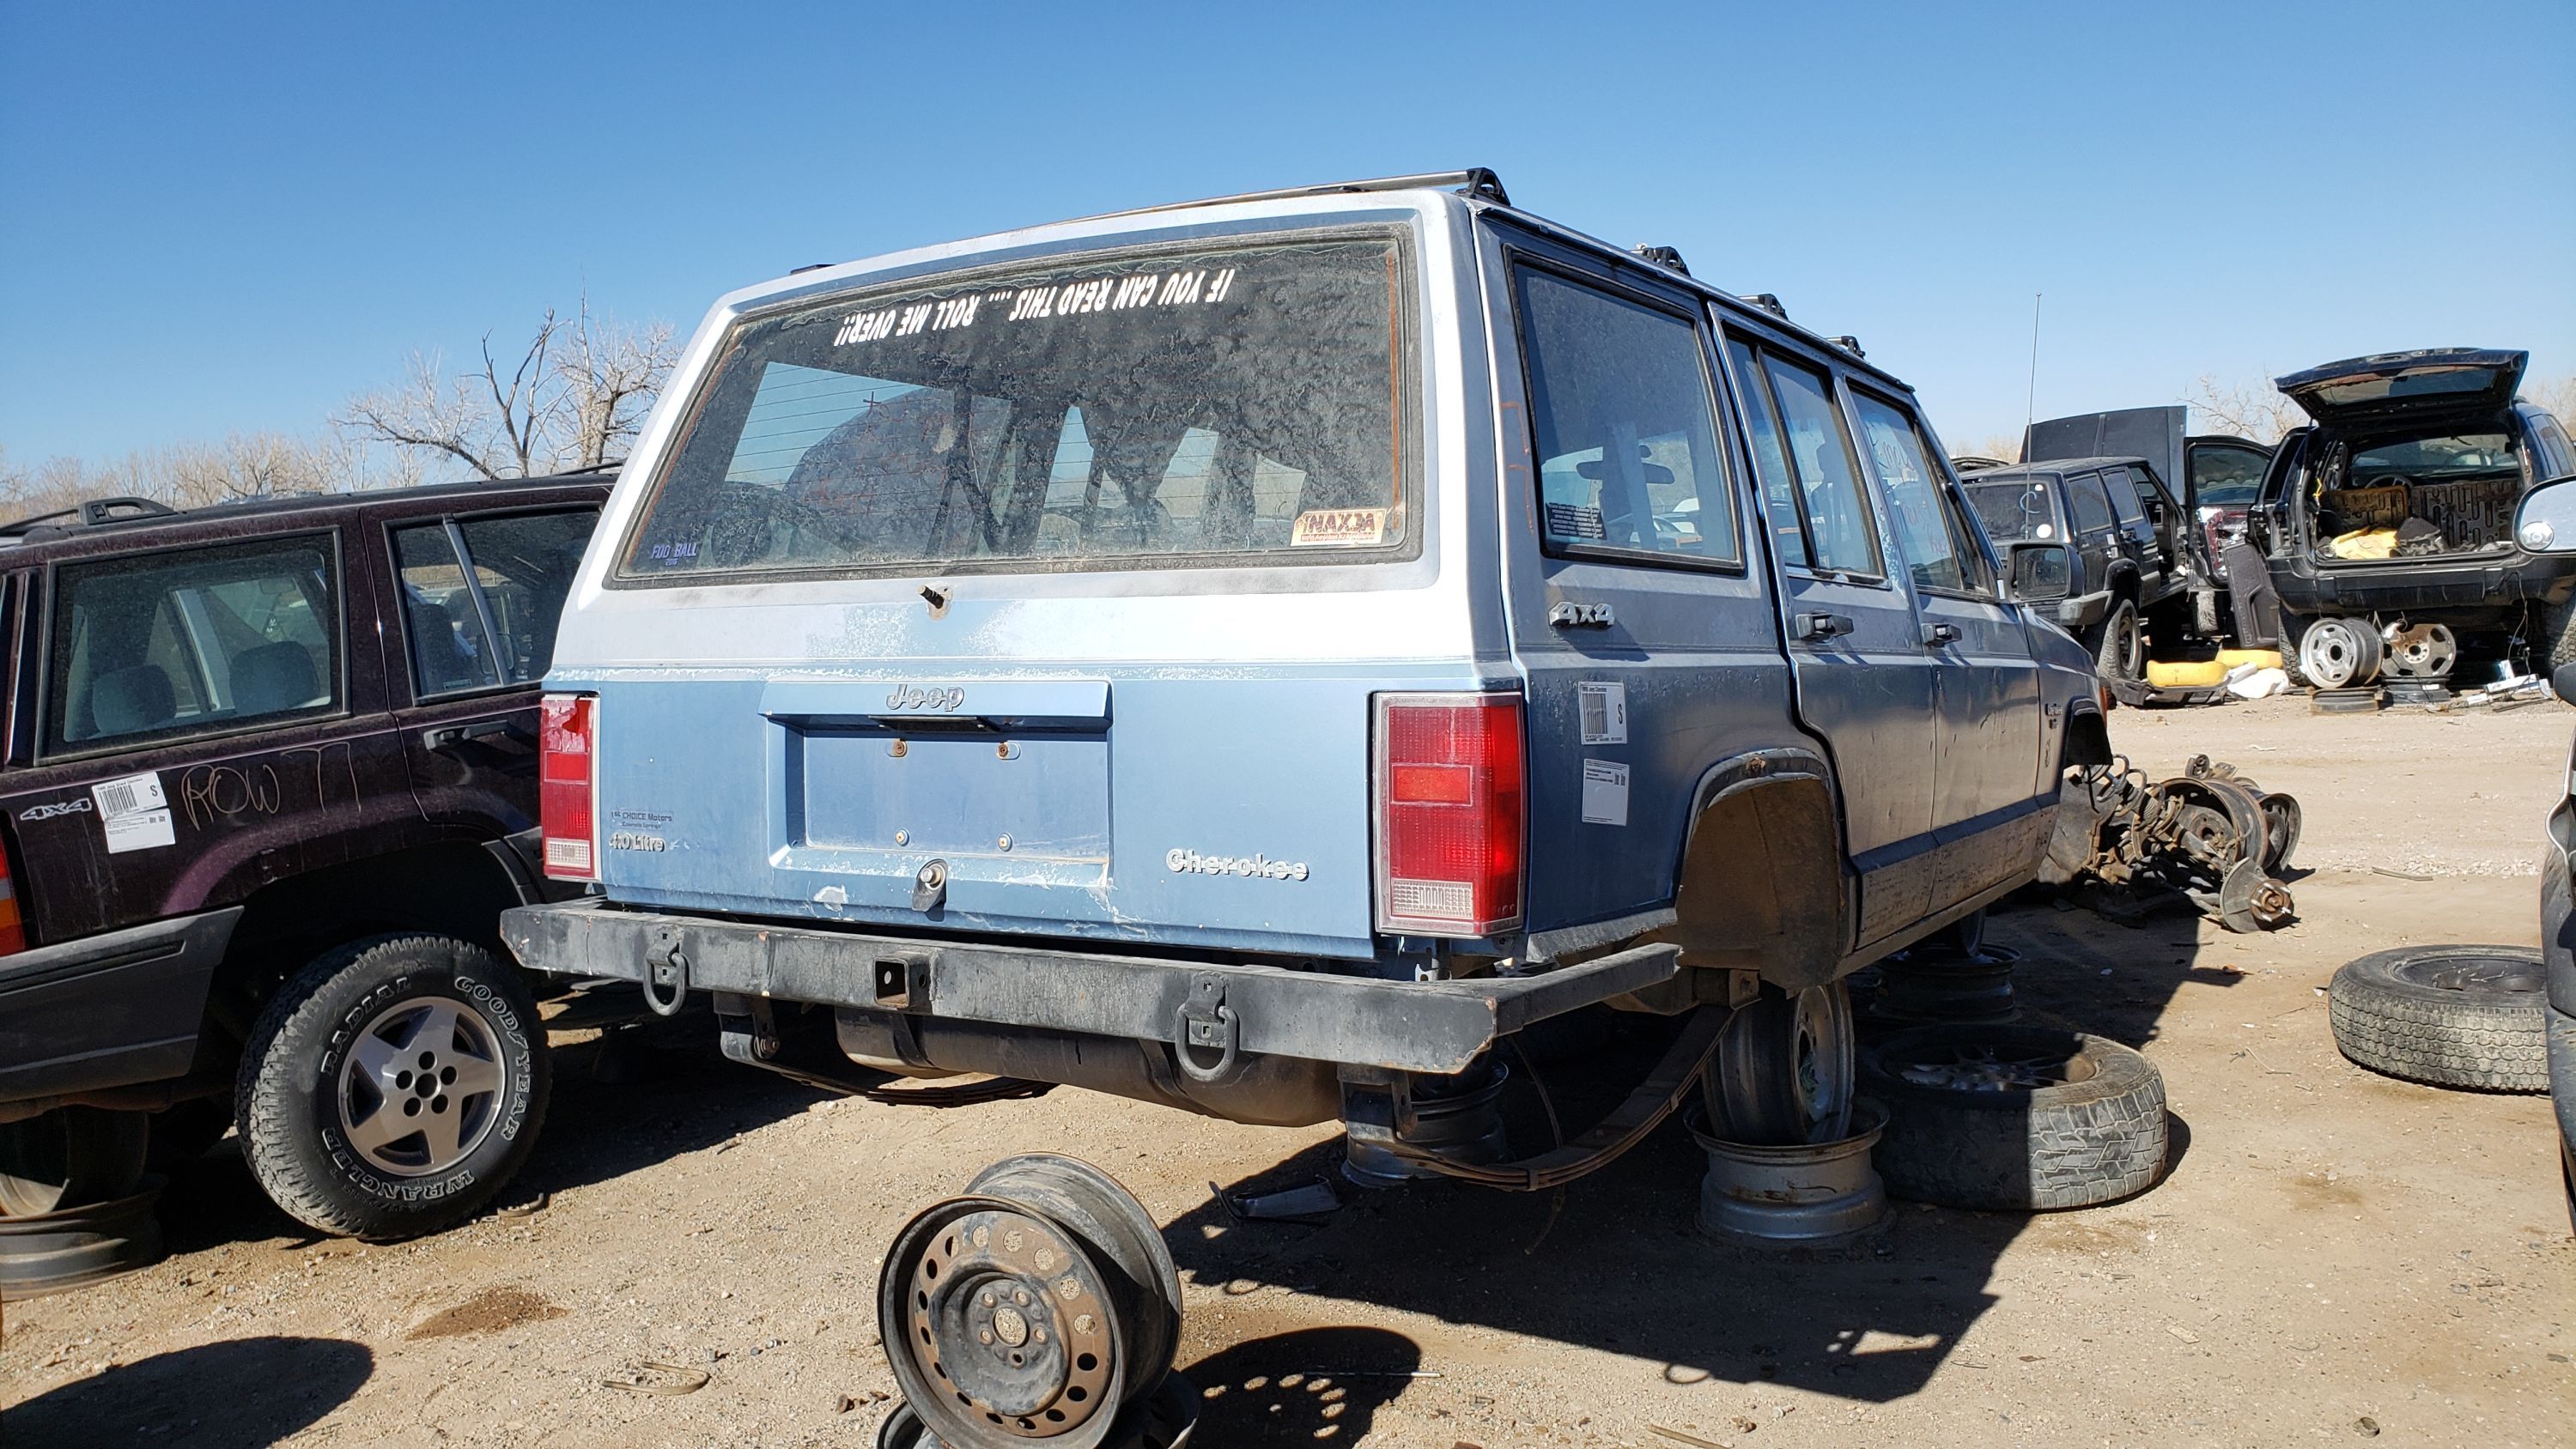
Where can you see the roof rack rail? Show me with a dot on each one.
(94, 511)
(1475, 182)
(1663, 257)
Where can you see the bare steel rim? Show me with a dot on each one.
(2010, 1065)
(423, 1085)
(1034, 1309)
(1784, 1069)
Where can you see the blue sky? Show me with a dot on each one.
(219, 218)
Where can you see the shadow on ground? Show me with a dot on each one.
(1309, 1386)
(1619, 1264)
(196, 1396)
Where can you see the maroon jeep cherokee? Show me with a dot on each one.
(270, 780)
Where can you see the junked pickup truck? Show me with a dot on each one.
(1254, 655)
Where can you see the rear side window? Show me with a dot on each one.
(2124, 495)
(2091, 506)
(1626, 430)
(163, 646)
(1938, 552)
(1107, 411)
(482, 597)
(1824, 473)
(2227, 477)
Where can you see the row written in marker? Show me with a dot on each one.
(1099, 294)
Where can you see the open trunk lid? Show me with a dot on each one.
(2392, 384)
(2155, 434)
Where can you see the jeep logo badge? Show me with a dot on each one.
(913, 696)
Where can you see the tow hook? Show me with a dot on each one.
(666, 968)
(1206, 1023)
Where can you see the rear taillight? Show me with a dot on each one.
(1449, 793)
(567, 730)
(13, 926)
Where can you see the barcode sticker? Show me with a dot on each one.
(1604, 713)
(133, 812)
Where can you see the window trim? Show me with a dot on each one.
(1517, 259)
(1763, 346)
(454, 524)
(1411, 417)
(2075, 526)
(56, 612)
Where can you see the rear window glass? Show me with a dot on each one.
(2124, 495)
(2223, 477)
(1107, 411)
(2092, 508)
(154, 647)
(2017, 510)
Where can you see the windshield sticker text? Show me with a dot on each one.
(1064, 299)
(1338, 528)
(1184, 861)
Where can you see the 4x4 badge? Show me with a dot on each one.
(59, 807)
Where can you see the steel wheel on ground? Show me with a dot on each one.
(2449, 1016)
(1042, 1306)
(393, 1086)
(1783, 1070)
(70, 1157)
(2015, 1117)
(2337, 653)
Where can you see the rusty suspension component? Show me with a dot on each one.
(2210, 834)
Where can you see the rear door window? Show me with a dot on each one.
(162, 646)
(482, 597)
(1625, 423)
(2090, 505)
(1940, 551)
(1841, 534)
(2224, 475)
(2124, 495)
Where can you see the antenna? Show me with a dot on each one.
(2029, 399)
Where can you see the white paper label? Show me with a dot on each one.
(133, 812)
(1605, 793)
(1604, 712)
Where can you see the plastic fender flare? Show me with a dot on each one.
(1762, 769)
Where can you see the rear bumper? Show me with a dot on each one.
(1428, 1026)
(2498, 582)
(109, 1010)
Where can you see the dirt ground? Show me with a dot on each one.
(2334, 1256)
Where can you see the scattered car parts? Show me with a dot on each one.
(2210, 834)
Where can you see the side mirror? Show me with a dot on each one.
(2039, 573)
(2546, 521)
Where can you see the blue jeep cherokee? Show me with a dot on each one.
(1254, 655)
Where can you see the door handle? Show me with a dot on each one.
(1936, 635)
(445, 736)
(1823, 626)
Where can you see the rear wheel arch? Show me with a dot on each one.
(1761, 883)
(456, 889)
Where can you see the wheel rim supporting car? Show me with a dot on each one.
(420, 1090)
(1784, 1069)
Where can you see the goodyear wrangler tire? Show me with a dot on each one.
(393, 1086)
(2448, 1016)
(2015, 1117)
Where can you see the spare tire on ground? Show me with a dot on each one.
(2015, 1117)
(2449, 1016)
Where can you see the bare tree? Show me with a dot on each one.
(195, 475)
(2557, 394)
(576, 396)
(1996, 445)
(2257, 410)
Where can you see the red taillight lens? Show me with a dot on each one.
(566, 731)
(1450, 813)
(13, 927)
